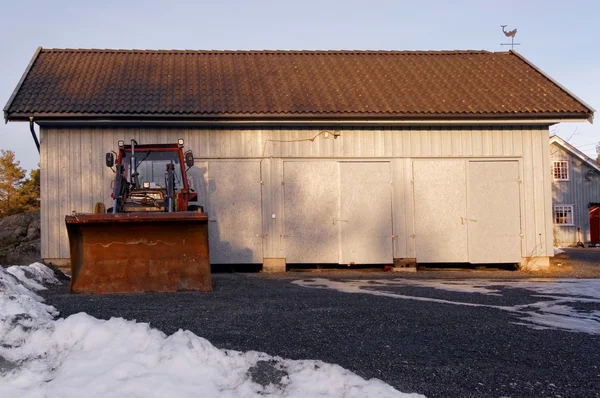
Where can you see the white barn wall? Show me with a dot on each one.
(74, 175)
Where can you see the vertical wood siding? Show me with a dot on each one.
(580, 190)
(74, 175)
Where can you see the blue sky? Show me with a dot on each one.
(562, 38)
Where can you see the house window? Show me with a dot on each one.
(560, 170)
(563, 214)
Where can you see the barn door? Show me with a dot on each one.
(493, 212)
(365, 220)
(310, 190)
(440, 207)
(234, 212)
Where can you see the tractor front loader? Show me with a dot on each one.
(152, 238)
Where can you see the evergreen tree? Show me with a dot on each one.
(11, 181)
(29, 193)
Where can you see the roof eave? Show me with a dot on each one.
(581, 116)
(20, 83)
(255, 119)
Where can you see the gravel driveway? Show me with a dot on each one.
(418, 338)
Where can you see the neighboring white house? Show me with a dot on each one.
(347, 157)
(575, 195)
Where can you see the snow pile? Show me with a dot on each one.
(21, 309)
(120, 358)
(558, 250)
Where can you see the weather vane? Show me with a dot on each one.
(511, 34)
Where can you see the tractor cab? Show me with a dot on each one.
(151, 178)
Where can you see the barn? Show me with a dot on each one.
(575, 195)
(318, 157)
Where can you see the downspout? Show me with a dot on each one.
(37, 143)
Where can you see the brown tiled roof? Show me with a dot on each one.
(287, 84)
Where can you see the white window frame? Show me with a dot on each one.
(565, 209)
(559, 163)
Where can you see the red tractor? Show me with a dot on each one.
(151, 239)
(151, 178)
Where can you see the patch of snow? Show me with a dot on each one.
(558, 250)
(556, 310)
(120, 358)
(21, 309)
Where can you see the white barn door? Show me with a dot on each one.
(234, 212)
(310, 210)
(467, 211)
(337, 212)
(440, 208)
(494, 214)
(365, 221)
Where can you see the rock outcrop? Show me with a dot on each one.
(20, 239)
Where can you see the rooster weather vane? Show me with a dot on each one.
(511, 34)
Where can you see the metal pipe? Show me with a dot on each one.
(35, 139)
(133, 166)
(170, 182)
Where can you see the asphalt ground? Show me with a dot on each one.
(433, 348)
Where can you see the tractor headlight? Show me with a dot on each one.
(121, 144)
(180, 142)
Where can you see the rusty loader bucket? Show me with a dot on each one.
(139, 252)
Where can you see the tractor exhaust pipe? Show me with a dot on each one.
(170, 177)
(133, 166)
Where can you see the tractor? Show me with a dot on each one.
(152, 239)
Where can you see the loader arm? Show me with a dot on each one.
(121, 189)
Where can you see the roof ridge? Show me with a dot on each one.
(265, 51)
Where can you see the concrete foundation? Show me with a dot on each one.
(63, 264)
(405, 265)
(534, 263)
(273, 265)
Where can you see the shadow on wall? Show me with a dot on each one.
(337, 212)
(224, 210)
(313, 229)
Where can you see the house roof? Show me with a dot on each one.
(554, 139)
(80, 83)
